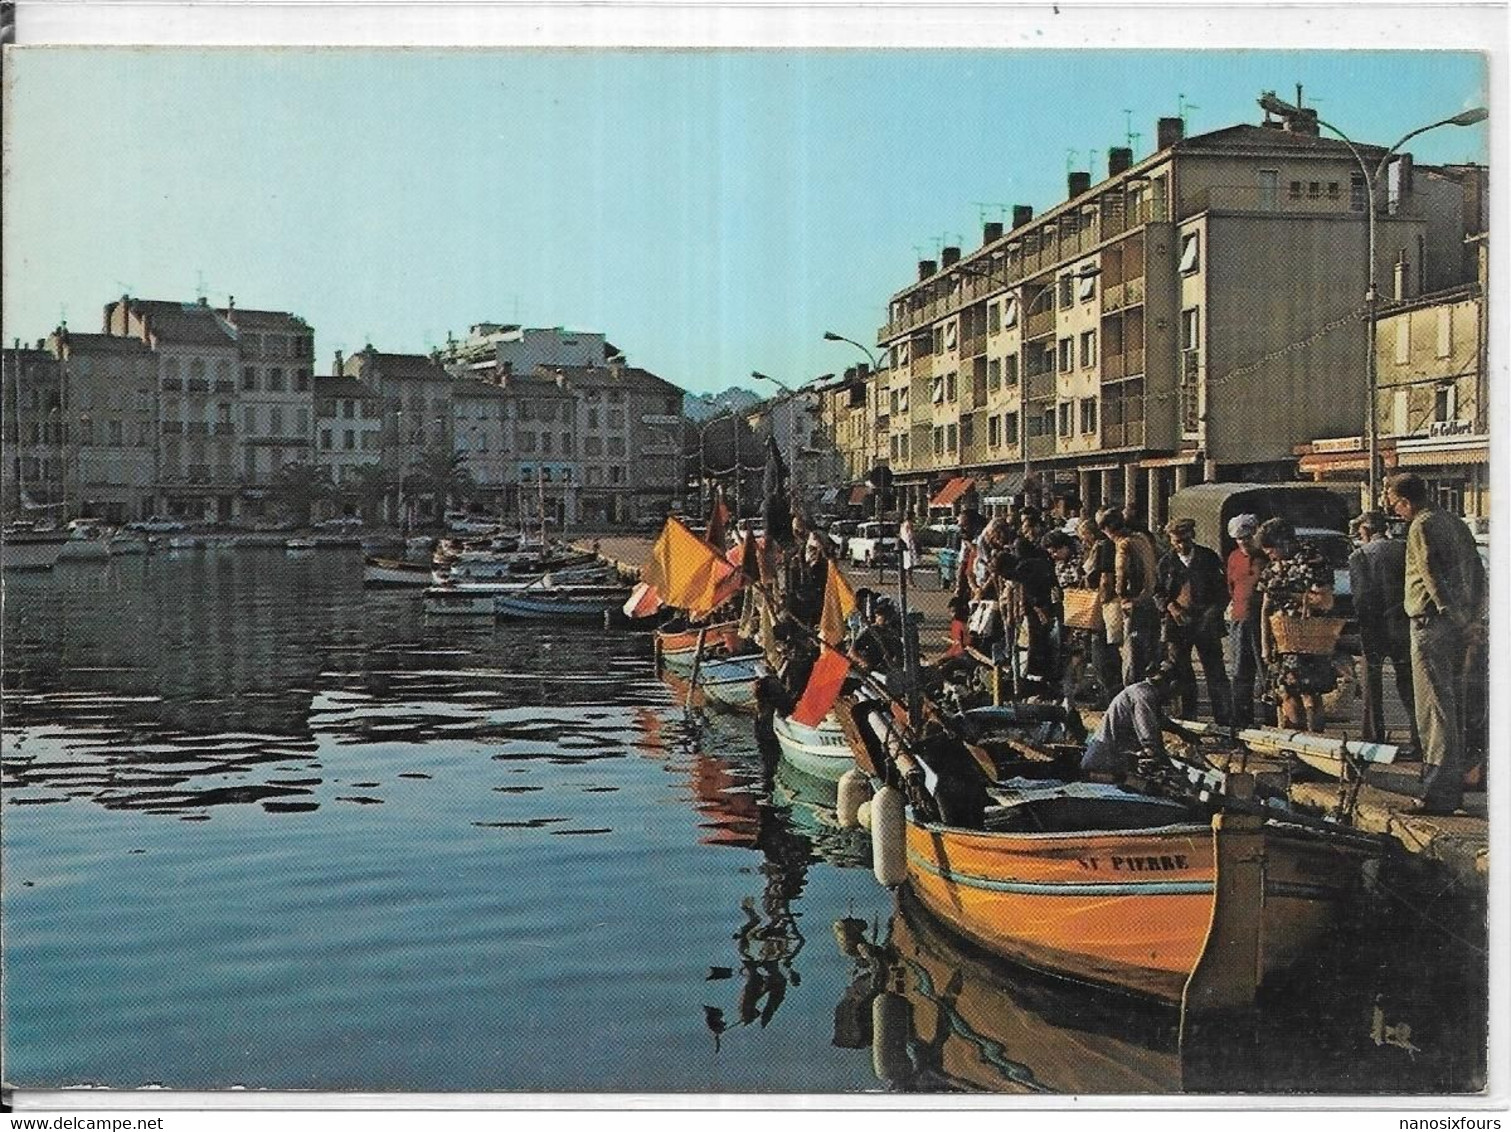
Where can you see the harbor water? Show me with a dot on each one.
(264, 829)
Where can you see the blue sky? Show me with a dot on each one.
(712, 212)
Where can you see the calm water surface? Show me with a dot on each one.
(264, 828)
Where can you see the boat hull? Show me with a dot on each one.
(1127, 909)
(729, 683)
(395, 572)
(592, 604)
(821, 751)
(22, 553)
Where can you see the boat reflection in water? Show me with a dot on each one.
(938, 1016)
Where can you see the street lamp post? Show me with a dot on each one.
(1371, 291)
(793, 408)
(876, 444)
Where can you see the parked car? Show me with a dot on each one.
(840, 533)
(938, 535)
(872, 544)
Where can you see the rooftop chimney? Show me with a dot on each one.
(950, 256)
(231, 308)
(340, 365)
(1119, 160)
(1077, 183)
(926, 267)
(1169, 131)
(991, 230)
(1022, 214)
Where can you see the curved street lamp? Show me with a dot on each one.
(1371, 292)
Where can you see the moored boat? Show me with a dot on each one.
(574, 602)
(821, 751)
(22, 547)
(378, 571)
(729, 682)
(676, 647)
(88, 541)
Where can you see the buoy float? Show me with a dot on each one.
(854, 789)
(863, 815)
(889, 856)
(891, 1029)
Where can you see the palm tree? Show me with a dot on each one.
(444, 475)
(299, 486)
(371, 485)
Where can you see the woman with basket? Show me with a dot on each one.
(1297, 638)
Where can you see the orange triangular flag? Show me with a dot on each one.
(824, 684)
(839, 603)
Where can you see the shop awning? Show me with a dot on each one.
(1442, 457)
(950, 492)
(1003, 490)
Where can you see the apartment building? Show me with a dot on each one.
(31, 432)
(1192, 317)
(848, 445)
(348, 428)
(233, 401)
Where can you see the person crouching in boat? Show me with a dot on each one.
(1130, 735)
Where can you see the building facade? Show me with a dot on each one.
(1121, 345)
(31, 428)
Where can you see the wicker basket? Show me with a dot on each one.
(1315, 636)
(1083, 610)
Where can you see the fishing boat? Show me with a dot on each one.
(560, 601)
(1137, 890)
(378, 571)
(729, 682)
(88, 541)
(821, 751)
(677, 646)
(128, 542)
(23, 547)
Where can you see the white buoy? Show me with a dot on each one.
(889, 855)
(854, 788)
(863, 815)
(891, 1030)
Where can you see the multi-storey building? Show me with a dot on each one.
(109, 424)
(848, 445)
(414, 395)
(348, 428)
(31, 426)
(1431, 403)
(1140, 334)
(233, 401)
(599, 437)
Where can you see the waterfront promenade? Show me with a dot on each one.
(1459, 843)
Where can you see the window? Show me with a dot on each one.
(1066, 418)
(938, 394)
(1269, 188)
(275, 421)
(325, 439)
(1010, 369)
(1295, 190)
(1332, 190)
(938, 440)
(892, 442)
(1444, 403)
(938, 342)
(1088, 349)
(302, 380)
(566, 444)
(1067, 292)
(1086, 288)
(275, 380)
(951, 331)
(545, 475)
(967, 431)
(994, 374)
(951, 387)
(951, 438)
(902, 401)
(1445, 331)
(1401, 413)
(1049, 421)
(1190, 253)
(547, 442)
(993, 318)
(303, 417)
(1088, 415)
(616, 474)
(994, 432)
(1010, 429)
(1314, 190)
(250, 420)
(592, 418)
(526, 473)
(348, 439)
(1190, 328)
(1403, 340)
(1009, 313)
(527, 442)
(348, 409)
(1067, 354)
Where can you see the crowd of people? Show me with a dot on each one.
(1140, 615)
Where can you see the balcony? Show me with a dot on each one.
(1129, 434)
(923, 365)
(1252, 198)
(972, 345)
(1038, 324)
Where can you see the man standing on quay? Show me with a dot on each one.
(1191, 590)
(1133, 587)
(1377, 580)
(1445, 599)
(1245, 564)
